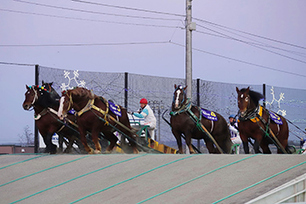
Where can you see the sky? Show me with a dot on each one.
(237, 41)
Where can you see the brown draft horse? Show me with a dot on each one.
(182, 123)
(46, 118)
(71, 136)
(255, 122)
(94, 116)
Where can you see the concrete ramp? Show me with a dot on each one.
(144, 178)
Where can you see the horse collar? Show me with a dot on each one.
(87, 107)
(42, 113)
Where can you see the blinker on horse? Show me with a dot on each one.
(197, 123)
(256, 122)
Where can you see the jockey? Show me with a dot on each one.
(147, 113)
(233, 127)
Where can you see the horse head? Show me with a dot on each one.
(66, 103)
(48, 86)
(248, 100)
(31, 96)
(75, 98)
(37, 95)
(179, 97)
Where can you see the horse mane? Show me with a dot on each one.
(255, 96)
(82, 92)
(45, 99)
(54, 95)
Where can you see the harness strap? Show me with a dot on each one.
(42, 113)
(183, 109)
(201, 127)
(269, 132)
(212, 126)
(90, 105)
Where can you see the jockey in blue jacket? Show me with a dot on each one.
(147, 113)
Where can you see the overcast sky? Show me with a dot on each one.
(237, 41)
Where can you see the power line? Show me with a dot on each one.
(254, 45)
(258, 36)
(95, 12)
(256, 41)
(129, 8)
(84, 19)
(241, 61)
(86, 44)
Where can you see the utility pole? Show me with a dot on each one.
(190, 26)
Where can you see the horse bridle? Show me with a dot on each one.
(35, 97)
(70, 101)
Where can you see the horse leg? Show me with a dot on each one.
(188, 142)
(257, 144)
(84, 141)
(210, 147)
(178, 138)
(265, 147)
(112, 139)
(50, 147)
(95, 139)
(60, 142)
(70, 143)
(246, 147)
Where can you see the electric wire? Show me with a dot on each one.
(92, 20)
(129, 8)
(251, 34)
(254, 45)
(241, 61)
(84, 44)
(165, 13)
(94, 12)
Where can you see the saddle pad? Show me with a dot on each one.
(115, 108)
(72, 112)
(276, 118)
(209, 115)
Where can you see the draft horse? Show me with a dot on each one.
(186, 119)
(46, 119)
(260, 124)
(94, 115)
(70, 120)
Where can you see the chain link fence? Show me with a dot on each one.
(127, 89)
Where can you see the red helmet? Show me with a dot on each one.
(143, 101)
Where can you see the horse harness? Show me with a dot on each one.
(50, 110)
(187, 108)
(256, 116)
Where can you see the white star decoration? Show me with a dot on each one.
(76, 75)
(281, 98)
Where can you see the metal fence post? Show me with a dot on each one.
(36, 138)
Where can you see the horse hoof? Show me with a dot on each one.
(97, 152)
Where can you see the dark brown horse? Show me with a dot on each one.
(188, 120)
(46, 118)
(257, 123)
(94, 115)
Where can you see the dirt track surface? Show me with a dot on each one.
(144, 178)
